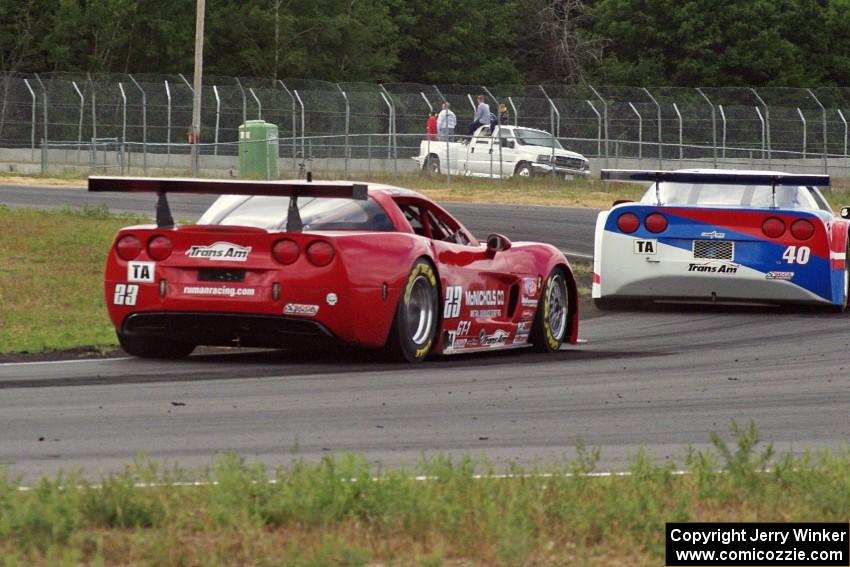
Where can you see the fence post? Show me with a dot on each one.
(766, 126)
(803, 119)
(294, 129)
(552, 109)
(516, 114)
(144, 124)
(598, 132)
(723, 117)
(44, 99)
(604, 118)
(681, 145)
(123, 124)
(301, 103)
(80, 125)
(841, 115)
(428, 102)
(346, 150)
(640, 135)
(713, 125)
(825, 147)
(43, 157)
(93, 107)
(761, 118)
(32, 119)
(389, 126)
(217, 118)
(660, 146)
(244, 100)
(393, 127)
(168, 123)
(259, 104)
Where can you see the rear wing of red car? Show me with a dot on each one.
(164, 185)
(767, 179)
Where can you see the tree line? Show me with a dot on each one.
(630, 42)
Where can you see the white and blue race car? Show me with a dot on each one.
(721, 236)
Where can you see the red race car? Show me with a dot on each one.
(280, 263)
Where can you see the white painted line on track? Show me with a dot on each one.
(64, 361)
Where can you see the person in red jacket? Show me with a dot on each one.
(431, 127)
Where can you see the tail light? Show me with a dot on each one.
(128, 247)
(320, 253)
(285, 251)
(773, 227)
(628, 222)
(801, 229)
(655, 223)
(159, 248)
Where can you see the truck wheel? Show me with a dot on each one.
(432, 165)
(523, 169)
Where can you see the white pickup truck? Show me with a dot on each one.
(524, 152)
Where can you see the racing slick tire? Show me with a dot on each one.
(415, 323)
(152, 347)
(524, 169)
(550, 324)
(432, 165)
(842, 307)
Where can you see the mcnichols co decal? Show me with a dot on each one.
(223, 251)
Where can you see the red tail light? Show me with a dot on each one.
(128, 247)
(801, 229)
(773, 227)
(285, 251)
(655, 223)
(628, 222)
(159, 248)
(320, 253)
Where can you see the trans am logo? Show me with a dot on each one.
(714, 267)
(497, 338)
(221, 251)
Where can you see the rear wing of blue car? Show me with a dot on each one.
(164, 185)
(715, 178)
(773, 180)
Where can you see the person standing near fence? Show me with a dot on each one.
(446, 123)
(431, 127)
(482, 116)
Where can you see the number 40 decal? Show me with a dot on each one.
(797, 254)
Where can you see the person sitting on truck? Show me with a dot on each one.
(431, 127)
(446, 123)
(482, 116)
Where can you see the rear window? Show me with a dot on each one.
(755, 196)
(270, 213)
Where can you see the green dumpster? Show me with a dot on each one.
(258, 150)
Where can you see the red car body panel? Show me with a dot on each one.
(488, 299)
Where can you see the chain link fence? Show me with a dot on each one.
(56, 121)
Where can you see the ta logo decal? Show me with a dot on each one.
(648, 247)
(140, 272)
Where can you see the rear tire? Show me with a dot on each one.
(152, 347)
(415, 323)
(523, 169)
(553, 310)
(843, 306)
(432, 165)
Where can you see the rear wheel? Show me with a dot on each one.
(152, 347)
(415, 322)
(432, 165)
(550, 323)
(844, 304)
(523, 169)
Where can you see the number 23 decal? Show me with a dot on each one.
(797, 254)
(454, 295)
(125, 294)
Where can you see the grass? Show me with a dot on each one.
(51, 278)
(342, 511)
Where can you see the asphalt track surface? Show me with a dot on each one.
(661, 379)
